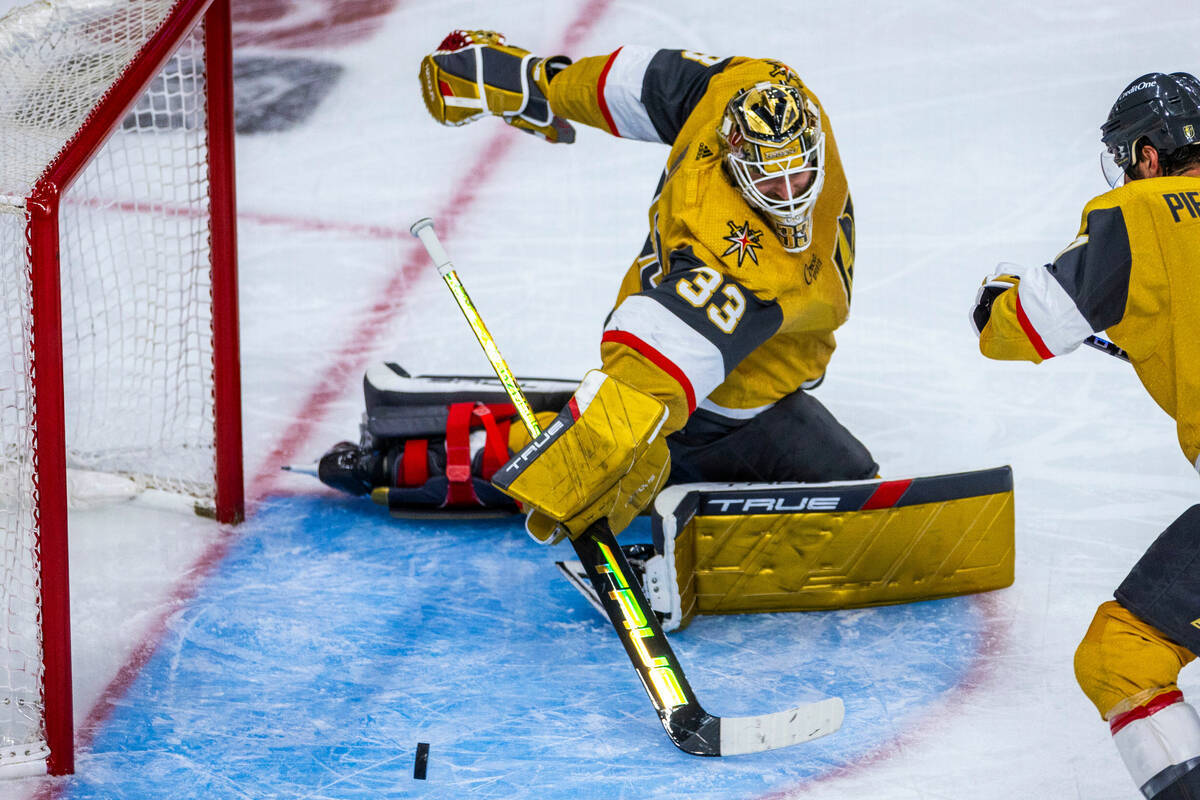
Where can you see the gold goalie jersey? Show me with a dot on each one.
(1134, 270)
(714, 313)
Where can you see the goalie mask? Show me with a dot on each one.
(775, 150)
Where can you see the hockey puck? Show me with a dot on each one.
(421, 761)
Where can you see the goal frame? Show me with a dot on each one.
(42, 219)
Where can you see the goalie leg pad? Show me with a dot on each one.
(431, 443)
(739, 548)
(402, 406)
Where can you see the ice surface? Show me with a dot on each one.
(311, 660)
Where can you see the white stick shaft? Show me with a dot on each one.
(423, 230)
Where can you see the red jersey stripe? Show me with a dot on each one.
(612, 125)
(1034, 337)
(658, 359)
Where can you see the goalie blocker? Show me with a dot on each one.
(734, 548)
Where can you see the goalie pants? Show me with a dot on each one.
(797, 439)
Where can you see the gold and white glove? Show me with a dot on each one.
(476, 73)
(601, 458)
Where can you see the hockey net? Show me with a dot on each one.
(115, 152)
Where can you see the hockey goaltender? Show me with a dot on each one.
(701, 410)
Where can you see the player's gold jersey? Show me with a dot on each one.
(714, 313)
(1134, 270)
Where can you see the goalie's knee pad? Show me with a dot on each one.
(1123, 657)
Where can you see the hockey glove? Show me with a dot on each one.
(475, 73)
(993, 286)
(602, 457)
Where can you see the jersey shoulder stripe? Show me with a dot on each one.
(647, 94)
(1048, 314)
(674, 346)
(673, 85)
(619, 94)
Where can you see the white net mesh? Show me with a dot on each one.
(21, 734)
(136, 291)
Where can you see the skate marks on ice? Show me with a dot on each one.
(334, 639)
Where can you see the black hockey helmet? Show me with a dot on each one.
(1162, 109)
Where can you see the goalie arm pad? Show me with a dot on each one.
(602, 457)
(476, 73)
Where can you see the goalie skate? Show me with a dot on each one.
(648, 566)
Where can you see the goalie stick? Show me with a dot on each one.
(691, 728)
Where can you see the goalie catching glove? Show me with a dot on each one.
(601, 458)
(475, 73)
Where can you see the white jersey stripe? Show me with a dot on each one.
(733, 413)
(623, 93)
(696, 357)
(1052, 312)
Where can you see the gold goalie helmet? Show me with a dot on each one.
(775, 150)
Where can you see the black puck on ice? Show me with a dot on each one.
(421, 761)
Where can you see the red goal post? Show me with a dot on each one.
(119, 285)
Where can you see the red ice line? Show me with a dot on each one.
(347, 364)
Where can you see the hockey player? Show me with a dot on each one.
(1132, 271)
(721, 326)
(727, 314)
